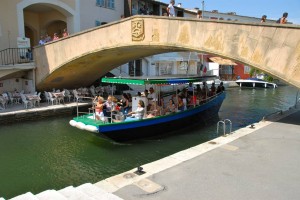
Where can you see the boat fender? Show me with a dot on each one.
(91, 128)
(72, 122)
(80, 125)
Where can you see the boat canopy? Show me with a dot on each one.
(156, 80)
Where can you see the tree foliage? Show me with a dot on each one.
(253, 72)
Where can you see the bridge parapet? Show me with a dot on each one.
(80, 59)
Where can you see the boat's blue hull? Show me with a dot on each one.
(161, 125)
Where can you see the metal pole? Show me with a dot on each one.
(202, 59)
(202, 9)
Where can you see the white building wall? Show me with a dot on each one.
(90, 13)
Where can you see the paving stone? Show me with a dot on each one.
(50, 195)
(26, 196)
(74, 193)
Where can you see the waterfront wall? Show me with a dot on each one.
(40, 113)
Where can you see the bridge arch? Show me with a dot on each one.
(272, 48)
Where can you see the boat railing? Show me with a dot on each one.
(92, 109)
(224, 126)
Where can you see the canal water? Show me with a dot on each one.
(50, 154)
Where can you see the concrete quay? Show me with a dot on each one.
(251, 163)
(17, 112)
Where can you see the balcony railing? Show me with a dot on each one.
(13, 56)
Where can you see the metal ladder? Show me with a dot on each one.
(224, 127)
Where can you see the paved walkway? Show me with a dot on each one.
(260, 163)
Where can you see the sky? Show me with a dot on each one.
(252, 8)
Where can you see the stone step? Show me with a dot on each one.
(96, 192)
(73, 193)
(26, 196)
(50, 195)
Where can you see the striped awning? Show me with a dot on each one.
(156, 81)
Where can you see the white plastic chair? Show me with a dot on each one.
(68, 95)
(37, 101)
(11, 98)
(26, 102)
(5, 96)
(61, 97)
(3, 101)
(77, 97)
(93, 93)
(52, 98)
(47, 97)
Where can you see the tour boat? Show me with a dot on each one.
(156, 126)
(255, 82)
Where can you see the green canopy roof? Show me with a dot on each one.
(156, 80)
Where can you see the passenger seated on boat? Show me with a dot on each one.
(116, 112)
(205, 91)
(213, 89)
(152, 97)
(125, 104)
(99, 109)
(220, 88)
(139, 113)
(193, 101)
(154, 111)
(180, 106)
(171, 108)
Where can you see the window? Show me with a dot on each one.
(247, 69)
(100, 3)
(226, 69)
(97, 23)
(111, 4)
(106, 3)
(135, 68)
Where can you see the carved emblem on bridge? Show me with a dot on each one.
(137, 30)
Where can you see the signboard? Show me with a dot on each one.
(23, 43)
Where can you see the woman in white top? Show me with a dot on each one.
(139, 113)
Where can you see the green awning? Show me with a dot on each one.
(156, 81)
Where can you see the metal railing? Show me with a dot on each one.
(12, 56)
(224, 126)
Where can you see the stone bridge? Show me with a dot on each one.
(80, 59)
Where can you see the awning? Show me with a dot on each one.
(222, 61)
(156, 81)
